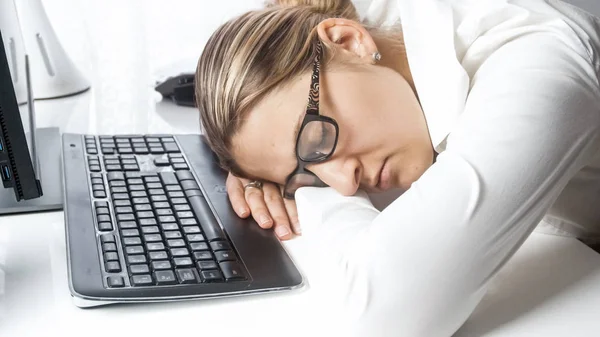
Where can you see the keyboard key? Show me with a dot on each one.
(151, 186)
(196, 246)
(115, 176)
(154, 144)
(185, 214)
(183, 262)
(143, 207)
(161, 204)
(225, 255)
(131, 241)
(108, 150)
(206, 265)
(115, 282)
(134, 250)
(191, 229)
(119, 203)
(188, 222)
(97, 187)
(165, 277)
(103, 217)
(173, 234)
(220, 245)
(179, 252)
(107, 238)
(117, 183)
(152, 238)
(154, 246)
(111, 256)
(175, 243)
(164, 211)
(189, 185)
(127, 224)
(130, 232)
(150, 229)
(204, 214)
(141, 200)
(112, 267)
(156, 191)
(157, 150)
(156, 198)
(105, 226)
(119, 210)
(193, 193)
(171, 147)
(205, 255)
(178, 161)
(168, 178)
(120, 196)
(113, 168)
(160, 255)
(136, 187)
(169, 226)
(166, 218)
(97, 181)
(162, 162)
(173, 188)
(135, 181)
(139, 269)
(145, 214)
(176, 194)
(134, 259)
(99, 194)
(125, 217)
(180, 167)
(186, 276)
(109, 247)
(148, 222)
(152, 179)
(178, 208)
(141, 280)
(185, 175)
(141, 150)
(161, 265)
(232, 271)
(138, 194)
(195, 237)
(211, 276)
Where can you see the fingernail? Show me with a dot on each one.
(264, 219)
(297, 228)
(282, 231)
(243, 211)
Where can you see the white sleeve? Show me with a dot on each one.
(419, 267)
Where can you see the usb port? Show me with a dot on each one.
(5, 173)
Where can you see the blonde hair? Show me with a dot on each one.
(252, 54)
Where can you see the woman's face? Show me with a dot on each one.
(383, 138)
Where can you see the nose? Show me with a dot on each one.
(342, 174)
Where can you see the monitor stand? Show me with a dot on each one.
(48, 148)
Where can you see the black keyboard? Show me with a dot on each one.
(154, 227)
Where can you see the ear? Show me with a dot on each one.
(348, 36)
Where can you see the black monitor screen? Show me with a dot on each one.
(16, 165)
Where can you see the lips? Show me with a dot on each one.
(383, 178)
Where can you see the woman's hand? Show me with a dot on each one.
(267, 206)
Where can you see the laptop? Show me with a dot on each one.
(148, 219)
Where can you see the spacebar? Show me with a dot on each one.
(212, 230)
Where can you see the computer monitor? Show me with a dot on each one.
(17, 168)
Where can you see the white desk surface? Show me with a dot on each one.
(550, 288)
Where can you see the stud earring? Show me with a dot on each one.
(376, 56)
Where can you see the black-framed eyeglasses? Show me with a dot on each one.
(316, 139)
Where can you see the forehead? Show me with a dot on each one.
(264, 146)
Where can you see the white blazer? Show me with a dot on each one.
(510, 91)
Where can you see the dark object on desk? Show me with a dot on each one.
(148, 219)
(179, 88)
(16, 165)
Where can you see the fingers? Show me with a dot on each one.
(292, 212)
(274, 201)
(235, 191)
(258, 208)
